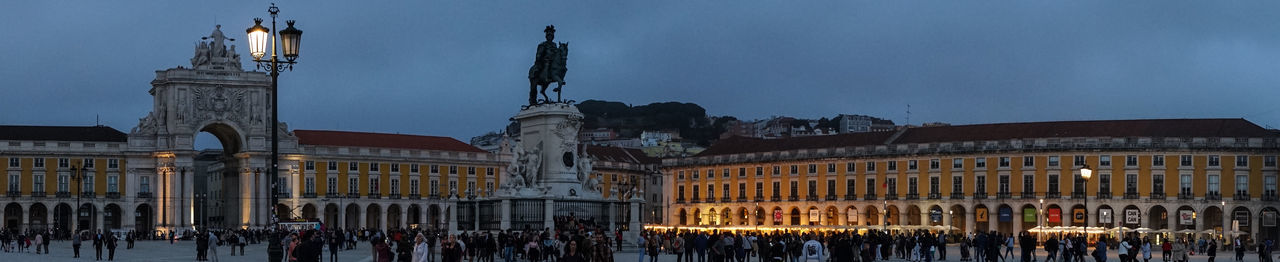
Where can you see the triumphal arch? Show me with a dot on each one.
(214, 95)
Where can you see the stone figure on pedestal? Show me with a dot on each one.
(215, 52)
(533, 166)
(548, 67)
(584, 173)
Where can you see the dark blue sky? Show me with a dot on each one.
(458, 68)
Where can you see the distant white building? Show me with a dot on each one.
(863, 123)
(654, 138)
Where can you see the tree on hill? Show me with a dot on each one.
(690, 119)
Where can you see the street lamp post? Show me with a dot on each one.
(202, 197)
(1040, 219)
(1223, 235)
(884, 225)
(289, 39)
(77, 173)
(1086, 173)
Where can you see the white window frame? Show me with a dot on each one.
(414, 184)
(353, 186)
(113, 184)
(310, 184)
(15, 182)
(37, 183)
(395, 186)
(144, 184)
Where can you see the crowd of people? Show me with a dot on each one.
(923, 246)
(574, 240)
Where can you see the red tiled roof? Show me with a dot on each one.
(363, 139)
(1003, 131)
(738, 145)
(63, 133)
(620, 154)
(1098, 128)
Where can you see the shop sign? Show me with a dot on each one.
(1006, 214)
(1132, 216)
(1029, 215)
(1055, 215)
(980, 214)
(1186, 217)
(1104, 216)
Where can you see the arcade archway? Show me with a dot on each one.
(1158, 218)
(351, 217)
(373, 217)
(142, 218)
(111, 215)
(331, 215)
(38, 216)
(13, 216)
(309, 211)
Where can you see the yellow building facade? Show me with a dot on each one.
(1003, 177)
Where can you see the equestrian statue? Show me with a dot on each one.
(548, 67)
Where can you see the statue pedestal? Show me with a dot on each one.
(550, 133)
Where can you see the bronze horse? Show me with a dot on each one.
(548, 71)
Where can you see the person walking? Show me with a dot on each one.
(39, 243)
(111, 247)
(420, 249)
(1100, 252)
(700, 244)
(75, 245)
(202, 248)
(1146, 250)
(652, 248)
(97, 244)
(1008, 249)
(1213, 250)
(381, 252)
(812, 250)
(1179, 251)
(1124, 250)
(213, 246)
(335, 243)
(1239, 250)
(1165, 249)
(677, 247)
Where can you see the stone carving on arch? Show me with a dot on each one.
(219, 102)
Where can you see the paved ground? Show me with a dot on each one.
(162, 251)
(185, 251)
